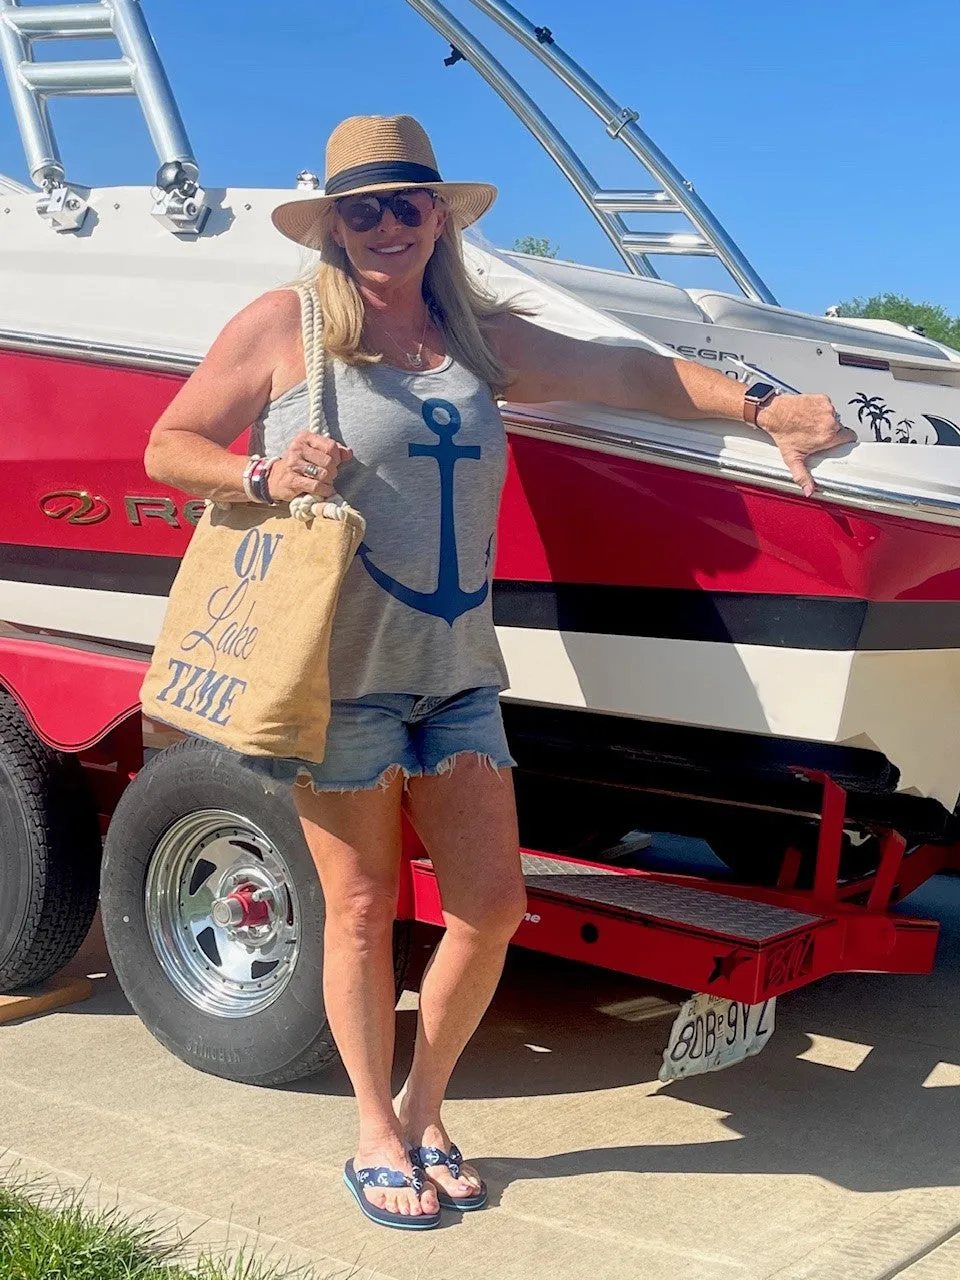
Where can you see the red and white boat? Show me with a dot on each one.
(707, 629)
(692, 646)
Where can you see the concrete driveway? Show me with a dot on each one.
(834, 1154)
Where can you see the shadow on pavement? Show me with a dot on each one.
(873, 1128)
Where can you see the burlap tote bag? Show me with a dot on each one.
(243, 652)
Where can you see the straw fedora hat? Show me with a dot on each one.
(381, 153)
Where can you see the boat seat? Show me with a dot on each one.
(741, 313)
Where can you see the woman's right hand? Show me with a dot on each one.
(293, 475)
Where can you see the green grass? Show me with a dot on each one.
(49, 1235)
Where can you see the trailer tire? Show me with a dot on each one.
(50, 854)
(193, 819)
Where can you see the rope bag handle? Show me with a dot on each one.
(311, 328)
(305, 506)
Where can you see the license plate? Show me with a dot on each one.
(710, 1033)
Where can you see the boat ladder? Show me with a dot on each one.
(179, 202)
(674, 195)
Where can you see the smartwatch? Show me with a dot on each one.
(758, 395)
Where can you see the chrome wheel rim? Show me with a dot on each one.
(226, 959)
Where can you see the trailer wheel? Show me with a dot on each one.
(49, 854)
(213, 916)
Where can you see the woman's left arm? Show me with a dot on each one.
(551, 366)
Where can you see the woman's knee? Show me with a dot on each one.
(493, 915)
(363, 915)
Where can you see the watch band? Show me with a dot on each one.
(752, 404)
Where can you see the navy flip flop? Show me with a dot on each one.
(430, 1157)
(381, 1176)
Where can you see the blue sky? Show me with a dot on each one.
(822, 134)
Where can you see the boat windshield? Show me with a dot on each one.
(11, 187)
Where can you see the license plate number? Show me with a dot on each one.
(711, 1033)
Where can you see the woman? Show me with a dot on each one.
(415, 357)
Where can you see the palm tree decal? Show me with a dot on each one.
(879, 417)
(875, 411)
(866, 405)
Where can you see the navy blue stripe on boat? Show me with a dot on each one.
(728, 617)
(721, 617)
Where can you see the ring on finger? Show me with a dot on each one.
(311, 470)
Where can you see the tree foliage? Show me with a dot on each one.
(539, 246)
(935, 321)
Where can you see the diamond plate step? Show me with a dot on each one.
(713, 913)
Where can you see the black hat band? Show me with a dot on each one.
(402, 172)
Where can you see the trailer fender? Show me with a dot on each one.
(72, 693)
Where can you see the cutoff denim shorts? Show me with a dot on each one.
(370, 736)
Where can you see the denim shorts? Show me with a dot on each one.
(370, 738)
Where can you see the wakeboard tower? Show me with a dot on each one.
(712, 654)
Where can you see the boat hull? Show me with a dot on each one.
(623, 588)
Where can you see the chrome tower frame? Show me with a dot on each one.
(180, 203)
(139, 71)
(675, 194)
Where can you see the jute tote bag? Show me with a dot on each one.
(243, 652)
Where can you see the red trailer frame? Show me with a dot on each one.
(738, 942)
(734, 941)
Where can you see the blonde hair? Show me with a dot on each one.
(459, 308)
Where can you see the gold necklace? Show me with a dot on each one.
(413, 358)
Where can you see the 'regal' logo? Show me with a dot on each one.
(75, 506)
(79, 506)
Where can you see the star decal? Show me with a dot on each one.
(724, 966)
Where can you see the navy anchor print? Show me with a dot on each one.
(448, 600)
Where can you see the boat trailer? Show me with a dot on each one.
(743, 943)
(738, 942)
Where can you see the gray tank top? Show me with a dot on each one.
(415, 612)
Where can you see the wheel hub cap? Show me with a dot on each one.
(222, 913)
(247, 907)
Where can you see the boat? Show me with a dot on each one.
(692, 645)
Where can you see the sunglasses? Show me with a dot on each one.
(363, 213)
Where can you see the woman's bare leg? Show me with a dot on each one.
(466, 819)
(354, 839)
